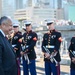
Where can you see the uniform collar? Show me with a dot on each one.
(52, 30)
(16, 32)
(29, 31)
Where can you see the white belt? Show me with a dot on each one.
(26, 46)
(14, 45)
(49, 46)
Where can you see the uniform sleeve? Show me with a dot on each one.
(43, 44)
(58, 42)
(70, 48)
(18, 44)
(1, 67)
(33, 42)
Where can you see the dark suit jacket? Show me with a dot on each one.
(7, 56)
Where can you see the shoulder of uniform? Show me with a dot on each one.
(73, 37)
(33, 32)
(47, 33)
(35, 36)
(19, 32)
(57, 31)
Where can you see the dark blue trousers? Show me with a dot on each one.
(72, 71)
(52, 68)
(29, 67)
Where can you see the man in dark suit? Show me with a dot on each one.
(8, 64)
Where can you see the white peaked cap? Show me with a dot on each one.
(16, 23)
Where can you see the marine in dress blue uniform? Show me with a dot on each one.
(16, 44)
(29, 56)
(72, 56)
(51, 42)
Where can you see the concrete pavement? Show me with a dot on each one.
(65, 69)
(40, 68)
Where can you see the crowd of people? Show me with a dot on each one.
(18, 49)
(64, 22)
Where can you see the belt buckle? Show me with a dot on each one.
(48, 46)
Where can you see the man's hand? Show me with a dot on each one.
(73, 60)
(47, 55)
(15, 48)
(22, 53)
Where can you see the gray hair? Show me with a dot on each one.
(3, 19)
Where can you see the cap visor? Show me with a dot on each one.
(28, 24)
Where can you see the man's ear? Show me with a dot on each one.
(3, 25)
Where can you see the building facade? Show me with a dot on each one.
(0, 8)
(38, 15)
(8, 7)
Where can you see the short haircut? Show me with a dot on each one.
(3, 19)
